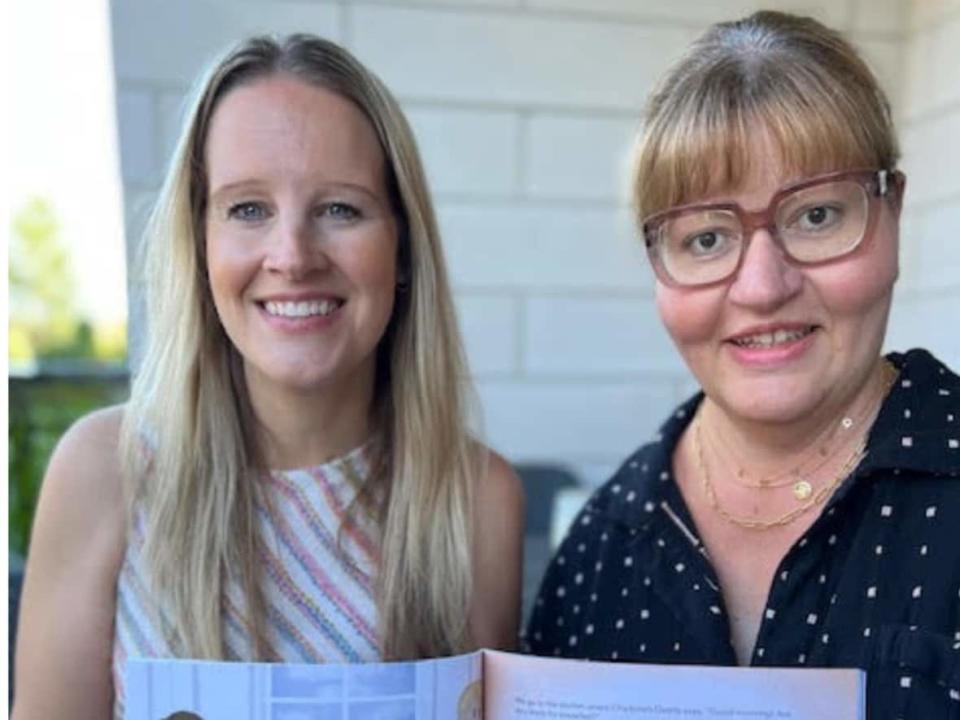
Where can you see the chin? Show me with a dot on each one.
(772, 403)
(300, 377)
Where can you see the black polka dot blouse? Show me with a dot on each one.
(874, 583)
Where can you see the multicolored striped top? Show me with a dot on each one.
(317, 581)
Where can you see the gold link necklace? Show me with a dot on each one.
(813, 498)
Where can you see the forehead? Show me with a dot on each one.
(753, 169)
(281, 126)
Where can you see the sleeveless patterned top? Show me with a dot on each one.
(319, 597)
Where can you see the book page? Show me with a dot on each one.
(443, 689)
(520, 687)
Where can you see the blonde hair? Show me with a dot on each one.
(801, 81)
(197, 482)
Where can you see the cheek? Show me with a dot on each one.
(374, 266)
(691, 317)
(228, 265)
(216, 267)
(229, 270)
(862, 289)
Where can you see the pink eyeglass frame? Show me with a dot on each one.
(877, 183)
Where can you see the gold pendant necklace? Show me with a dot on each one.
(803, 490)
(812, 498)
(825, 451)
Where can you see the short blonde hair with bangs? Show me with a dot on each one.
(801, 81)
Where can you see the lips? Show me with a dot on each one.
(773, 337)
(301, 308)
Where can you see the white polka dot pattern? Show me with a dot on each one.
(873, 583)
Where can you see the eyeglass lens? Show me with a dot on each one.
(813, 224)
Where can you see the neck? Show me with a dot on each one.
(763, 447)
(299, 428)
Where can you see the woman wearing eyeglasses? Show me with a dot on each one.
(803, 509)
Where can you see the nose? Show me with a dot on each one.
(293, 250)
(766, 278)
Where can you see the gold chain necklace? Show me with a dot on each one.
(796, 476)
(812, 498)
(815, 497)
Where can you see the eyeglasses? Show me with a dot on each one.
(814, 221)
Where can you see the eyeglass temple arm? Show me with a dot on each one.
(887, 181)
(882, 179)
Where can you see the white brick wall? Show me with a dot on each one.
(929, 294)
(168, 42)
(524, 110)
(526, 245)
(468, 152)
(584, 157)
(595, 337)
(512, 58)
(580, 422)
(490, 323)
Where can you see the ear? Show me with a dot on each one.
(900, 188)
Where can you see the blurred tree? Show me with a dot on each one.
(42, 315)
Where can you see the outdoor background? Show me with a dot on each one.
(524, 110)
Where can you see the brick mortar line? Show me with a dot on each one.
(470, 201)
(911, 122)
(933, 24)
(617, 19)
(927, 207)
(520, 318)
(345, 24)
(600, 112)
(594, 292)
(521, 155)
(574, 14)
(640, 378)
(493, 107)
(913, 295)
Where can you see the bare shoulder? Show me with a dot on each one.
(84, 472)
(499, 489)
(497, 556)
(94, 437)
(81, 506)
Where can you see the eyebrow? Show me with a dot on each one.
(231, 188)
(239, 186)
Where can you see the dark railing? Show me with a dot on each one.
(42, 407)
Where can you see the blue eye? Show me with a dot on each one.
(341, 211)
(247, 211)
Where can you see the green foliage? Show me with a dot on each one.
(46, 331)
(41, 283)
(40, 412)
(44, 322)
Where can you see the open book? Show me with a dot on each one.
(487, 685)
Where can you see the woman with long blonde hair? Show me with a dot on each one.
(293, 478)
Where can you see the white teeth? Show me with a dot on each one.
(301, 309)
(766, 340)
